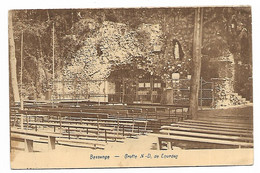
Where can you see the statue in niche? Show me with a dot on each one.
(178, 53)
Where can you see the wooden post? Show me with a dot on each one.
(201, 101)
(15, 119)
(63, 89)
(28, 145)
(21, 121)
(123, 95)
(195, 79)
(69, 132)
(123, 130)
(51, 142)
(213, 94)
(53, 74)
(106, 135)
(60, 123)
(159, 144)
(105, 91)
(97, 127)
(156, 112)
(117, 128)
(169, 145)
(80, 122)
(21, 104)
(145, 126)
(136, 89)
(133, 125)
(27, 122)
(151, 88)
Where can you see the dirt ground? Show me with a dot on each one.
(238, 114)
(246, 110)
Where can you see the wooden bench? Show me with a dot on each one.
(206, 135)
(125, 127)
(63, 113)
(57, 114)
(234, 119)
(125, 124)
(142, 120)
(126, 112)
(207, 131)
(150, 111)
(225, 124)
(81, 143)
(101, 122)
(95, 133)
(90, 110)
(209, 127)
(68, 127)
(171, 110)
(172, 138)
(135, 125)
(29, 137)
(26, 139)
(107, 137)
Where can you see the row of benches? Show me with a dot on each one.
(154, 111)
(52, 139)
(124, 126)
(156, 115)
(77, 126)
(191, 134)
(96, 123)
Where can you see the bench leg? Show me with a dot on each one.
(106, 135)
(169, 145)
(51, 143)
(21, 121)
(123, 130)
(159, 144)
(28, 145)
(69, 131)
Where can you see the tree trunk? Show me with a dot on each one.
(195, 80)
(42, 71)
(12, 60)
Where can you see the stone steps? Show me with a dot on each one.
(233, 99)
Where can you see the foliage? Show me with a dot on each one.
(102, 43)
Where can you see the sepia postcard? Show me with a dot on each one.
(130, 87)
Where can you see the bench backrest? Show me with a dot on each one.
(63, 113)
